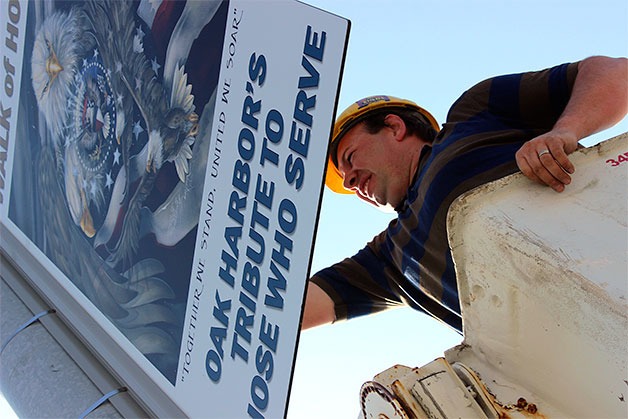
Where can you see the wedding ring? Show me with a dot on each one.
(543, 152)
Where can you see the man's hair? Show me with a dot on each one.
(375, 122)
(415, 123)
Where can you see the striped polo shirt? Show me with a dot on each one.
(410, 262)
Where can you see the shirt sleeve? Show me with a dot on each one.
(361, 284)
(532, 100)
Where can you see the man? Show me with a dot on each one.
(389, 152)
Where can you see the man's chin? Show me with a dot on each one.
(386, 208)
(382, 207)
(367, 199)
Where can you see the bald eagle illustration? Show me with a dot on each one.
(110, 127)
(171, 134)
(58, 46)
(176, 134)
(57, 51)
(119, 113)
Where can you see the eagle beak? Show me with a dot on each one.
(53, 67)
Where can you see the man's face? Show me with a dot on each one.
(375, 166)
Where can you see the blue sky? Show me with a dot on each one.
(428, 51)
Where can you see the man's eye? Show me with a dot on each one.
(349, 157)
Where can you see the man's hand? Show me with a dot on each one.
(544, 158)
(599, 99)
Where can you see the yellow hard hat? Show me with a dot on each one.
(356, 113)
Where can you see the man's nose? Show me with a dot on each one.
(350, 180)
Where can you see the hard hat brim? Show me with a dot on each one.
(334, 180)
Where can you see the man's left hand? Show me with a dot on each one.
(544, 159)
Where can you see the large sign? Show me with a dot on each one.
(163, 161)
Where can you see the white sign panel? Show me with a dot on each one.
(274, 112)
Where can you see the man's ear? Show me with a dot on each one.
(396, 124)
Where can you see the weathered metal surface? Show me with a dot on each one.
(543, 281)
(435, 390)
(377, 402)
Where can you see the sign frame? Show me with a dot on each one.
(73, 305)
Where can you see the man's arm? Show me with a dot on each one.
(599, 100)
(319, 307)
